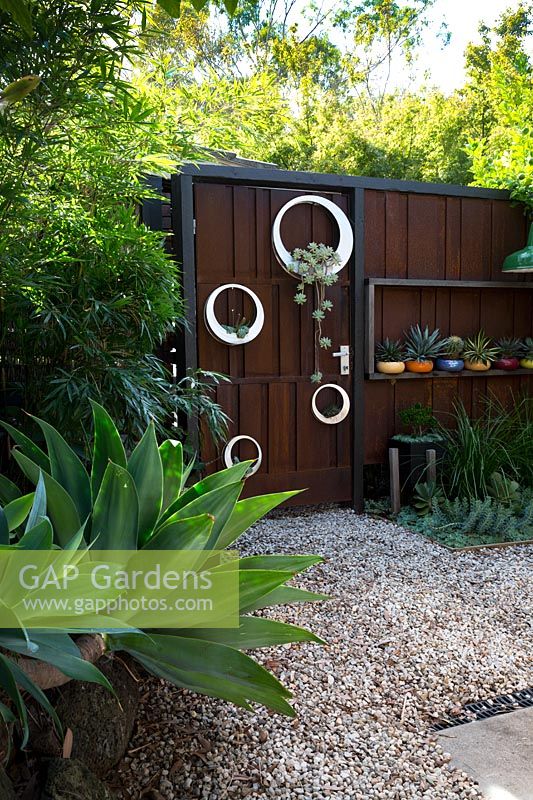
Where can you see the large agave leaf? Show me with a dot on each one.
(206, 667)
(60, 650)
(30, 450)
(171, 453)
(4, 528)
(209, 484)
(17, 511)
(107, 446)
(293, 564)
(256, 583)
(9, 686)
(184, 534)
(60, 507)
(29, 686)
(284, 595)
(38, 509)
(8, 490)
(40, 537)
(146, 469)
(246, 513)
(253, 632)
(219, 503)
(67, 469)
(116, 511)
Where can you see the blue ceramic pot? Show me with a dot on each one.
(450, 364)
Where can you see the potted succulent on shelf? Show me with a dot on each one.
(526, 362)
(450, 360)
(421, 435)
(479, 352)
(390, 357)
(422, 348)
(509, 352)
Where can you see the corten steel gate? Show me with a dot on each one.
(423, 253)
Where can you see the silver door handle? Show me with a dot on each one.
(344, 355)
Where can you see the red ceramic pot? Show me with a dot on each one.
(506, 363)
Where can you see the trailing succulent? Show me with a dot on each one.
(136, 502)
(314, 267)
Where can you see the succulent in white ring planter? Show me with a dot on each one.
(336, 418)
(219, 331)
(345, 247)
(228, 457)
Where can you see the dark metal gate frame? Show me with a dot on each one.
(183, 222)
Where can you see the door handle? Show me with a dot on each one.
(344, 355)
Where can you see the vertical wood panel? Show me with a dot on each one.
(281, 427)
(453, 238)
(475, 239)
(426, 236)
(374, 234)
(396, 234)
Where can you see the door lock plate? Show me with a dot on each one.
(344, 355)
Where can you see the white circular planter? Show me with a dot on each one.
(343, 413)
(344, 250)
(218, 331)
(228, 458)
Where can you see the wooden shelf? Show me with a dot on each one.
(444, 284)
(439, 373)
(422, 283)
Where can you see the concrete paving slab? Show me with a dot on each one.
(496, 752)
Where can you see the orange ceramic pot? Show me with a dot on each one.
(419, 366)
(390, 367)
(477, 366)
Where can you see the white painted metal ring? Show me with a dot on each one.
(345, 248)
(228, 458)
(343, 413)
(218, 330)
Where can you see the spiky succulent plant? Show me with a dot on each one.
(527, 348)
(480, 349)
(390, 350)
(423, 345)
(509, 347)
(453, 346)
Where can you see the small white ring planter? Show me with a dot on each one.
(218, 331)
(343, 413)
(228, 459)
(344, 250)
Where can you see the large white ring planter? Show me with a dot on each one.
(344, 250)
(218, 330)
(343, 413)
(227, 455)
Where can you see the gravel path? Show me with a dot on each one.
(414, 631)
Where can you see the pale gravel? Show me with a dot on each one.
(414, 632)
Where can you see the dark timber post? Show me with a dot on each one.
(358, 343)
(183, 229)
